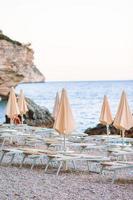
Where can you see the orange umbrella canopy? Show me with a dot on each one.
(123, 119)
(22, 103)
(64, 122)
(56, 106)
(12, 108)
(106, 116)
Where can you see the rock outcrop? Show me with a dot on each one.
(101, 130)
(16, 65)
(38, 116)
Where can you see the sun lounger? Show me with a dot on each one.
(120, 152)
(11, 152)
(12, 136)
(115, 167)
(30, 153)
(34, 154)
(68, 157)
(61, 159)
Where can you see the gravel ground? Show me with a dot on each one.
(27, 184)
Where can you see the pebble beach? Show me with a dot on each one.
(26, 184)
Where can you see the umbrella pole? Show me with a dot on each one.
(22, 119)
(123, 134)
(65, 162)
(11, 121)
(107, 127)
(64, 142)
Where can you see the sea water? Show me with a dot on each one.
(85, 97)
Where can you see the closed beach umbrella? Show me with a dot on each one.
(64, 122)
(123, 119)
(22, 104)
(106, 116)
(12, 106)
(56, 106)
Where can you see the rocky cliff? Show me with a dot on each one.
(16, 65)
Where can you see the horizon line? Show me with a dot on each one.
(88, 80)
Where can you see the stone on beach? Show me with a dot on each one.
(38, 116)
(101, 130)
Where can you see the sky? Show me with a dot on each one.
(74, 39)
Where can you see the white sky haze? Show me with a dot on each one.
(74, 39)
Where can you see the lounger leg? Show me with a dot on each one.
(81, 150)
(11, 140)
(114, 177)
(3, 153)
(125, 158)
(95, 167)
(12, 159)
(33, 164)
(61, 162)
(65, 165)
(101, 170)
(74, 166)
(3, 143)
(41, 161)
(88, 165)
(22, 161)
(47, 165)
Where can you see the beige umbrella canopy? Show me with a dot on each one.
(12, 106)
(56, 106)
(22, 104)
(106, 116)
(64, 122)
(123, 119)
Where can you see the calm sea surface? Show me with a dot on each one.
(85, 97)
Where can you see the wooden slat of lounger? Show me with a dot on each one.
(111, 166)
